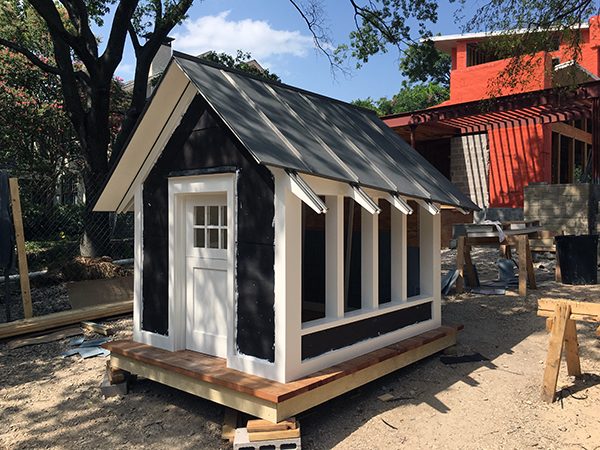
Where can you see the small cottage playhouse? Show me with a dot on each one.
(279, 230)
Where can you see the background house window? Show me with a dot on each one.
(477, 54)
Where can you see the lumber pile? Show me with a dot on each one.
(259, 433)
(60, 319)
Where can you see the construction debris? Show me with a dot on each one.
(86, 349)
(44, 338)
(97, 328)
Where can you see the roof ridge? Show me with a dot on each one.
(177, 54)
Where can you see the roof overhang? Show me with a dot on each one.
(155, 126)
(446, 42)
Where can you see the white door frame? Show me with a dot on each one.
(181, 188)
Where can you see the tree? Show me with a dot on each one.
(242, 61)
(409, 98)
(423, 63)
(86, 75)
(406, 25)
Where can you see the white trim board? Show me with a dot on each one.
(160, 120)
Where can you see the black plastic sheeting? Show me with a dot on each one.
(295, 129)
(202, 143)
(321, 342)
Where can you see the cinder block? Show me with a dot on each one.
(112, 390)
(241, 441)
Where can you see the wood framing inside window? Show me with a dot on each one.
(571, 145)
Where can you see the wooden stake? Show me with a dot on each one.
(21, 254)
(230, 419)
(469, 268)
(460, 264)
(572, 349)
(530, 271)
(561, 316)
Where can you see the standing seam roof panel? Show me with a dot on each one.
(315, 156)
(265, 125)
(262, 142)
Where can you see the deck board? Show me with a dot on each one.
(213, 370)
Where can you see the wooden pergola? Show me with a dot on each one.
(535, 107)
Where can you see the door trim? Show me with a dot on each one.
(180, 188)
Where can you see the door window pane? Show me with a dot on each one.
(213, 215)
(199, 238)
(224, 216)
(213, 238)
(199, 215)
(224, 238)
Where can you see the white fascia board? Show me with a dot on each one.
(430, 207)
(445, 42)
(304, 192)
(579, 67)
(363, 199)
(485, 34)
(160, 119)
(399, 203)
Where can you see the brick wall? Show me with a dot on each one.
(469, 162)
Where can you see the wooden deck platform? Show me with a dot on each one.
(208, 377)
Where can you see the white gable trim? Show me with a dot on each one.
(161, 118)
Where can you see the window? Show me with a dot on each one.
(477, 55)
(210, 227)
(352, 255)
(313, 264)
(385, 252)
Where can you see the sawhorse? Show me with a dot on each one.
(561, 316)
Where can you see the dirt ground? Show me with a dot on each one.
(50, 402)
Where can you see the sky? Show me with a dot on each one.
(278, 38)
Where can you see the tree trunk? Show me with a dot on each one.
(97, 233)
(97, 228)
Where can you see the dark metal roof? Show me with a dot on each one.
(295, 129)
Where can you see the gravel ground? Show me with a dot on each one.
(50, 402)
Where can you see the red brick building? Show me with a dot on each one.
(494, 153)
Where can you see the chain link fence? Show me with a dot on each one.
(54, 221)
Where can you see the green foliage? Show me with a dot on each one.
(409, 98)
(423, 63)
(381, 23)
(242, 61)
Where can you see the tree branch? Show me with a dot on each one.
(30, 56)
(78, 15)
(318, 35)
(134, 38)
(47, 10)
(118, 33)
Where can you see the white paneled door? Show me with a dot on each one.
(206, 224)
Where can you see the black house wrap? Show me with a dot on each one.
(203, 143)
(316, 344)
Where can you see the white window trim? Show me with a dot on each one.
(288, 300)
